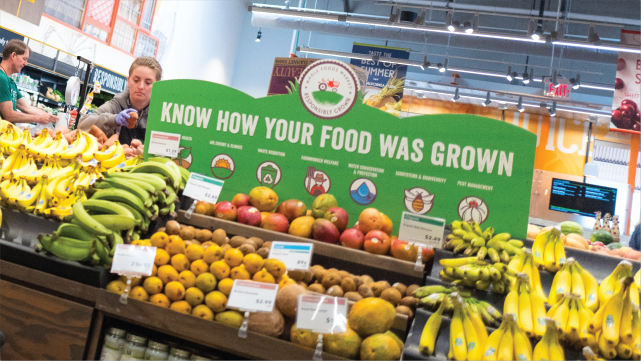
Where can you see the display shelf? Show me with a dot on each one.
(50, 101)
(206, 333)
(30, 91)
(383, 267)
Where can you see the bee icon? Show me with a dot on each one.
(418, 200)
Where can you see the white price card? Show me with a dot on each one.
(294, 255)
(164, 144)
(422, 230)
(322, 314)
(203, 188)
(133, 260)
(252, 296)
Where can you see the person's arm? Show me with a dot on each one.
(23, 105)
(104, 118)
(6, 109)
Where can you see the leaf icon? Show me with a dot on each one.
(184, 153)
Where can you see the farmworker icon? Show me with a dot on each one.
(318, 188)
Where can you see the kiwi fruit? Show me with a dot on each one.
(203, 235)
(162, 229)
(391, 295)
(219, 237)
(365, 279)
(404, 310)
(267, 244)
(411, 289)
(225, 248)
(186, 233)
(335, 291)
(331, 279)
(246, 249)
(263, 252)
(315, 269)
(333, 270)
(353, 296)
(257, 241)
(365, 291)
(357, 281)
(320, 274)
(172, 228)
(296, 275)
(237, 241)
(206, 245)
(307, 276)
(348, 285)
(344, 274)
(379, 287)
(316, 287)
(400, 287)
(409, 301)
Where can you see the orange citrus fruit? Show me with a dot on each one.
(194, 252)
(167, 274)
(225, 286)
(153, 285)
(220, 269)
(160, 299)
(180, 262)
(162, 257)
(199, 267)
(159, 239)
(187, 278)
(233, 257)
(175, 245)
(175, 291)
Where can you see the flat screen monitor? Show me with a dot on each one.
(581, 198)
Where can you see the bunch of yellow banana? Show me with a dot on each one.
(111, 157)
(85, 145)
(51, 165)
(549, 348)
(508, 342)
(615, 325)
(12, 138)
(430, 330)
(139, 159)
(472, 273)
(610, 285)
(11, 189)
(548, 250)
(525, 263)
(34, 201)
(14, 161)
(470, 239)
(527, 307)
(573, 278)
(64, 208)
(48, 147)
(26, 168)
(572, 318)
(468, 334)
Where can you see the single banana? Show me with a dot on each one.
(591, 288)
(561, 284)
(625, 328)
(561, 314)
(84, 220)
(457, 335)
(559, 253)
(115, 222)
(158, 184)
(573, 325)
(525, 305)
(612, 315)
(541, 350)
(121, 196)
(522, 346)
(457, 262)
(117, 159)
(430, 332)
(91, 147)
(163, 169)
(493, 342)
(107, 153)
(555, 351)
(511, 304)
(136, 191)
(506, 345)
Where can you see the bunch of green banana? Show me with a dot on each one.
(610, 285)
(184, 173)
(468, 334)
(470, 239)
(572, 318)
(549, 348)
(433, 297)
(508, 342)
(615, 327)
(527, 307)
(573, 278)
(524, 263)
(472, 273)
(548, 250)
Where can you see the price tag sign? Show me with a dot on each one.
(422, 230)
(133, 260)
(252, 296)
(203, 188)
(322, 314)
(164, 144)
(294, 255)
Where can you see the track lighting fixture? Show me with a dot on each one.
(426, 64)
(487, 100)
(552, 109)
(448, 22)
(593, 37)
(443, 67)
(519, 105)
(456, 25)
(260, 35)
(420, 20)
(468, 27)
(456, 96)
(538, 33)
(395, 16)
(526, 77)
(576, 82)
(475, 22)
(440, 67)
(508, 76)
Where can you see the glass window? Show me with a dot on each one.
(148, 14)
(123, 36)
(145, 46)
(67, 11)
(100, 10)
(95, 31)
(130, 10)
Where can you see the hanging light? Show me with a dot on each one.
(468, 27)
(552, 109)
(456, 96)
(538, 33)
(519, 105)
(443, 68)
(426, 64)
(487, 100)
(576, 82)
(395, 17)
(593, 37)
(508, 76)
(526, 78)
(440, 67)
(448, 22)
(260, 35)
(420, 20)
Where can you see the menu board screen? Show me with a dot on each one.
(581, 198)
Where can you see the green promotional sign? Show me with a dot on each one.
(322, 139)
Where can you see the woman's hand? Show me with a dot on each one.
(121, 118)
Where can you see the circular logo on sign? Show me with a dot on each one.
(418, 200)
(473, 209)
(363, 191)
(328, 89)
(222, 166)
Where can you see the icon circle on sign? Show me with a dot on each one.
(473, 209)
(418, 200)
(268, 174)
(317, 182)
(363, 191)
(222, 166)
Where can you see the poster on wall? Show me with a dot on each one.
(625, 103)
(317, 141)
(385, 81)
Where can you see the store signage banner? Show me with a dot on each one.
(625, 103)
(317, 141)
(385, 81)
(109, 80)
(6, 35)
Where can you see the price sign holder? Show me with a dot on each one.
(164, 144)
(423, 231)
(295, 255)
(201, 188)
(132, 261)
(250, 296)
(322, 314)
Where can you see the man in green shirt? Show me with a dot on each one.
(14, 58)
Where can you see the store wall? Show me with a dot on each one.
(71, 40)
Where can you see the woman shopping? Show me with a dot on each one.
(118, 116)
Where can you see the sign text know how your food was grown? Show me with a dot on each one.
(451, 166)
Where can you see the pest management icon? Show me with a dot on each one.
(418, 200)
(473, 209)
(328, 89)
